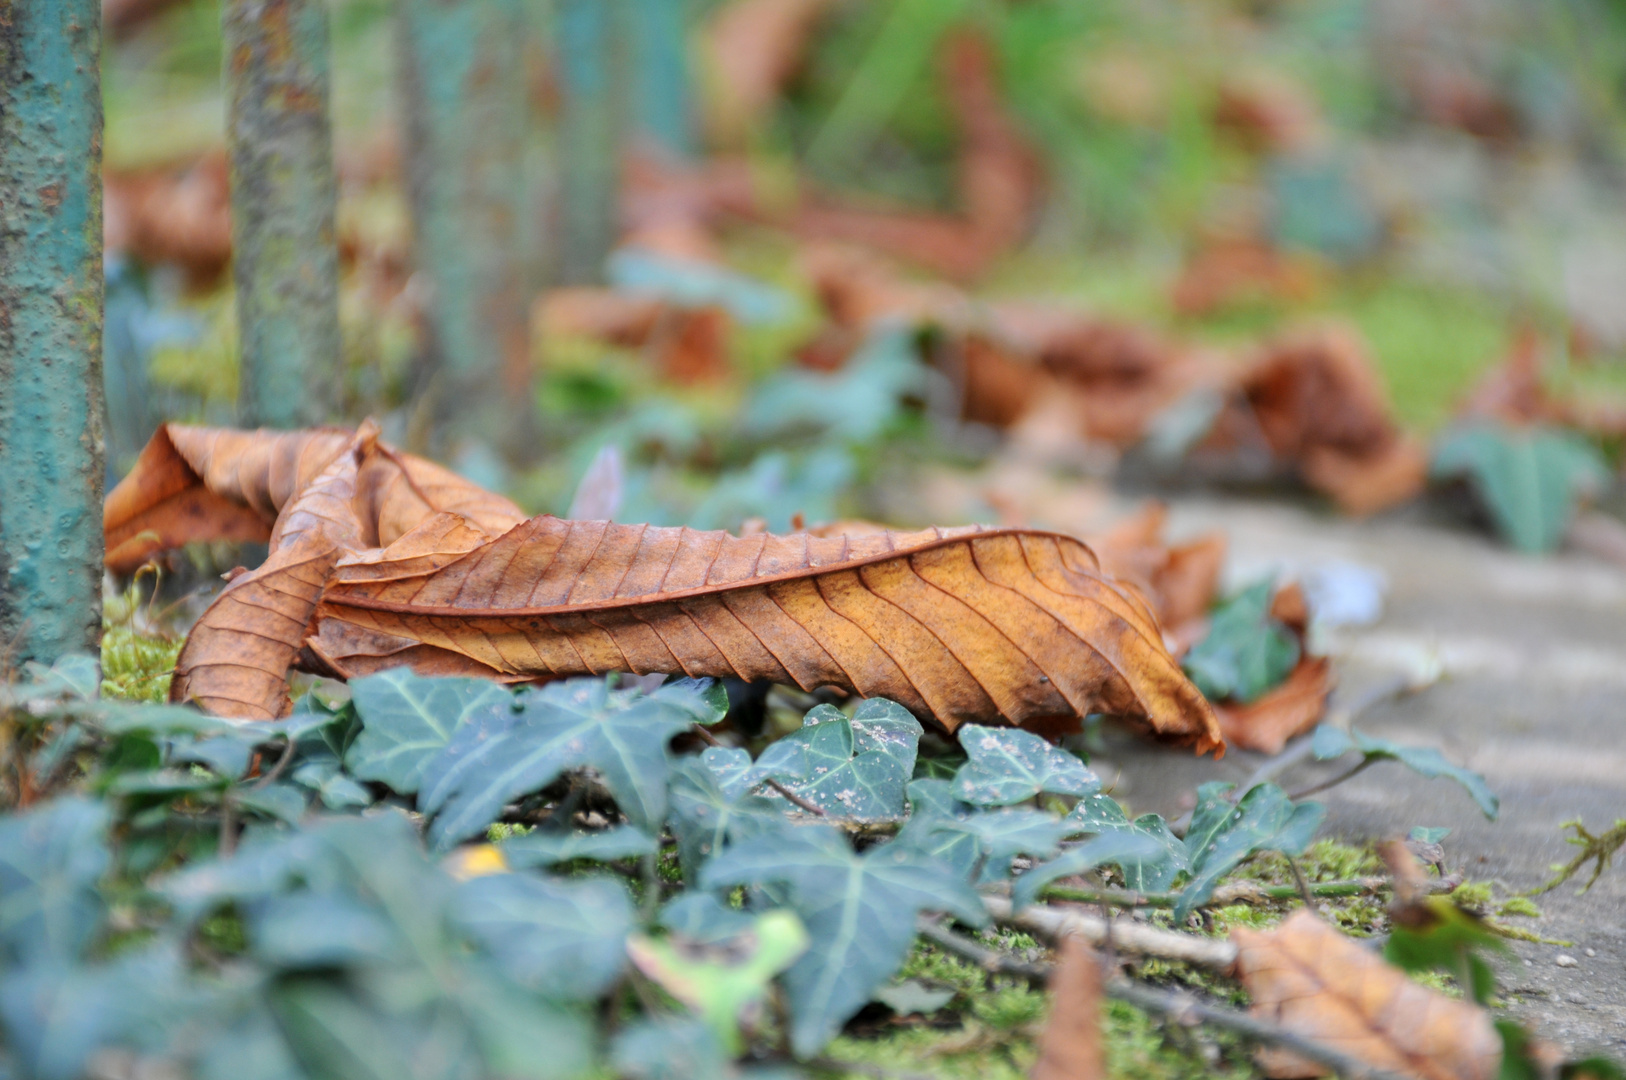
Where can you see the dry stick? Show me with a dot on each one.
(1129, 937)
(790, 796)
(1239, 892)
(286, 756)
(1182, 1008)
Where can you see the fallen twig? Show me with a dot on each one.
(1178, 1006)
(1184, 1008)
(1126, 936)
(1238, 892)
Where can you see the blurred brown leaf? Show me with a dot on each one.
(1320, 404)
(177, 214)
(1234, 272)
(754, 48)
(413, 565)
(1314, 981)
(1071, 1046)
(1292, 708)
(1181, 580)
(998, 182)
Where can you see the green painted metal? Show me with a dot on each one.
(660, 73)
(285, 256)
(463, 90)
(50, 328)
(589, 136)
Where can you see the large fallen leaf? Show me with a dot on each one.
(1072, 1046)
(381, 560)
(1316, 982)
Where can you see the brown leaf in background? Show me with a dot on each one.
(176, 214)
(1292, 708)
(1071, 1046)
(1234, 272)
(1316, 982)
(1182, 580)
(754, 48)
(1266, 112)
(998, 182)
(1320, 403)
(429, 570)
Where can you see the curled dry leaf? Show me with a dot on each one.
(1180, 580)
(1287, 711)
(381, 560)
(1316, 982)
(1071, 1046)
(1320, 404)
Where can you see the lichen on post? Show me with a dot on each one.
(50, 328)
(285, 256)
(463, 91)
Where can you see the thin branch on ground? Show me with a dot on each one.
(1177, 1006)
(1183, 1008)
(990, 960)
(789, 795)
(283, 759)
(1237, 892)
(1129, 937)
(1300, 883)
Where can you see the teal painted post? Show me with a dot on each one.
(284, 254)
(50, 328)
(463, 91)
(588, 147)
(660, 73)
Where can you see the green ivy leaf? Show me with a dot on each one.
(1114, 847)
(579, 723)
(565, 939)
(51, 859)
(407, 720)
(1009, 765)
(285, 802)
(859, 911)
(1246, 653)
(712, 806)
(1150, 872)
(978, 844)
(551, 848)
(1529, 478)
(855, 769)
(1222, 836)
(1329, 742)
(702, 918)
(704, 700)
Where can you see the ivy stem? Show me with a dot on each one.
(1334, 782)
(1242, 892)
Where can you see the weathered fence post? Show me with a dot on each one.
(464, 96)
(50, 328)
(589, 136)
(284, 253)
(660, 73)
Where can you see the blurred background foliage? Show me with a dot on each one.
(1442, 174)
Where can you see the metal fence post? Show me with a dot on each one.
(285, 256)
(660, 73)
(464, 96)
(589, 135)
(50, 328)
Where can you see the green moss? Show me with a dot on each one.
(502, 830)
(136, 663)
(1521, 906)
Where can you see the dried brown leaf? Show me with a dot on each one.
(1071, 1046)
(412, 565)
(1289, 710)
(1314, 981)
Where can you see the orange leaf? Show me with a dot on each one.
(1071, 1046)
(1289, 710)
(1316, 982)
(379, 559)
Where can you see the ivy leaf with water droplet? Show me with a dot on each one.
(856, 769)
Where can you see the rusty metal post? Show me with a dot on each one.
(284, 253)
(463, 89)
(589, 136)
(50, 328)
